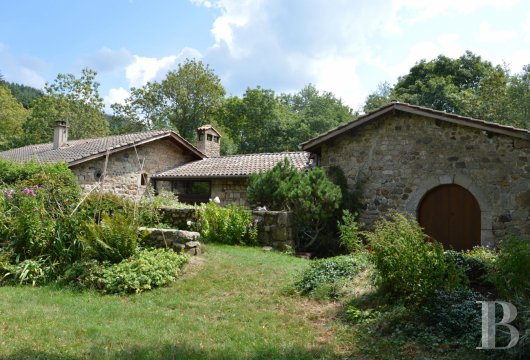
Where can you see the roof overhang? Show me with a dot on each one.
(184, 144)
(416, 110)
(215, 177)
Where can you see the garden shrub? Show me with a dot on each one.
(143, 271)
(326, 274)
(350, 236)
(475, 264)
(113, 239)
(511, 271)
(96, 204)
(229, 225)
(264, 188)
(83, 273)
(408, 266)
(310, 195)
(454, 314)
(28, 271)
(36, 211)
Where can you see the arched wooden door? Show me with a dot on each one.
(451, 215)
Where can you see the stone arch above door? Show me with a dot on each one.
(486, 217)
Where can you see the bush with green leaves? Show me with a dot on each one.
(324, 275)
(36, 211)
(264, 189)
(454, 314)
(113, 239)
(408, 266)
(147, 269)
(227, 225)
(350, 234)
(511, 271)
(474, 265)
(310, 195)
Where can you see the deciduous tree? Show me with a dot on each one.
(75, 100)
(12, 118)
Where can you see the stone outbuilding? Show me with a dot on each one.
(224, 177)
(467, 181)
(127, 164)
(122, 164)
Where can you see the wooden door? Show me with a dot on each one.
(451, 215)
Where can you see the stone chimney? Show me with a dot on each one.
(60, 134)
(209, 141)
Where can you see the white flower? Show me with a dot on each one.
(189, 223)
(217, 200)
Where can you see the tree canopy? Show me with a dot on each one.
(467, 85)
(75, 100)
(12, 118)
(183, 100)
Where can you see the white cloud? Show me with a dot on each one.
(205, 3)
(423, 10)
(487, 34)
(525, 27)
(517, 60)
(339, 74)
(144, 69)
(116, 95)
(20, 69)
(107, 60)
(30, 77)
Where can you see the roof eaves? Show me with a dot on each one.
(198, 177)
(417, 110)
(130, 144)
(311, 143)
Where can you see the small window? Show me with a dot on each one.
(143, 179)
(198, 187)
(216, 139)
(201, 136)
(209, 137)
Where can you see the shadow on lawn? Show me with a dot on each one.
(183, 352)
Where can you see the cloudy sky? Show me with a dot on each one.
(347, 47)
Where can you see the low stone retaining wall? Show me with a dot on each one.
(178, 240)
(275, 228)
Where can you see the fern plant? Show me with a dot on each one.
(113, 239)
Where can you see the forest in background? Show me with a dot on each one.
(260, 120)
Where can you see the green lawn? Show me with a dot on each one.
(233, 305)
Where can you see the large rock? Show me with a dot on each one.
(178, 240)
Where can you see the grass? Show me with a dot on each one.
(233, 305)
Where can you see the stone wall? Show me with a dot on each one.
(124, 169)
(275, 228)
(230, 191)
(397, 159)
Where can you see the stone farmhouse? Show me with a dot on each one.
(467, 181)
(126, 164)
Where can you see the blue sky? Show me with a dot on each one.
(344, 46)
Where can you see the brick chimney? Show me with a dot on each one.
(209, 141)
(60, 134)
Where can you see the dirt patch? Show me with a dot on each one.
(193, 266)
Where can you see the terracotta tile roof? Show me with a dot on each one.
(418, 110)
(208, 127)
(234, 165)
(77, 151)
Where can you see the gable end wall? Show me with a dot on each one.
(124, 167)
(400, 157)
